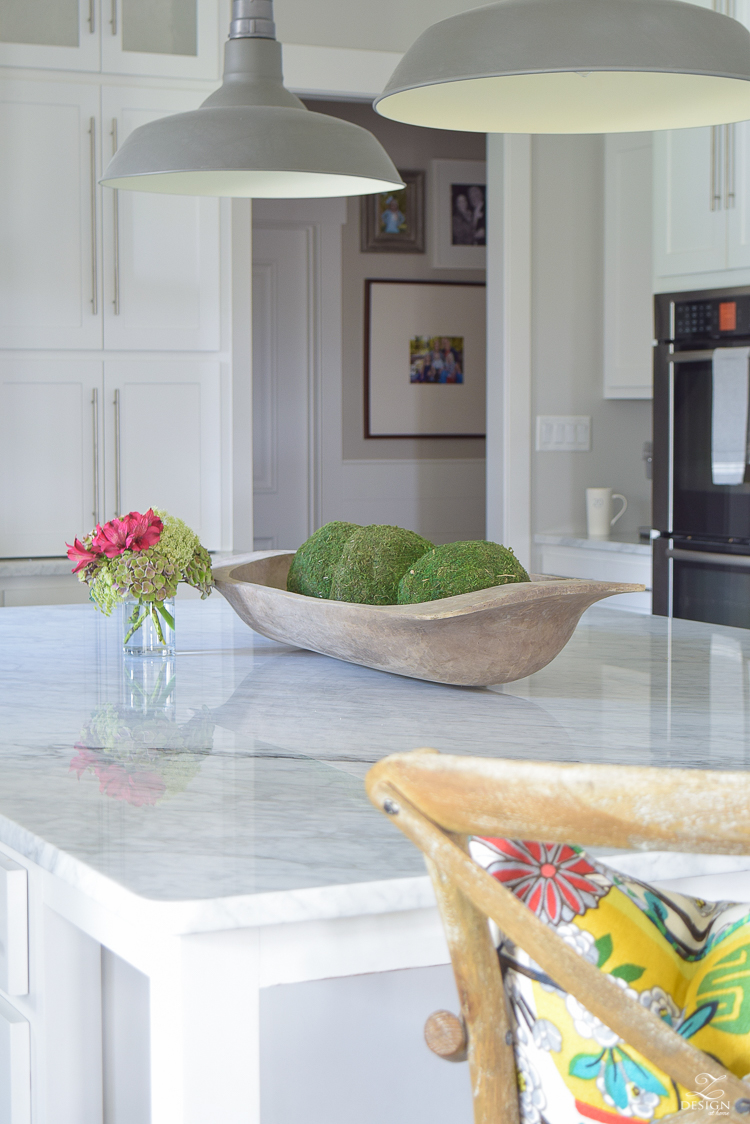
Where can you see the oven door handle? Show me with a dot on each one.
(740, 560)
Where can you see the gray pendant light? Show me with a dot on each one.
(252, 137)
(574, 66)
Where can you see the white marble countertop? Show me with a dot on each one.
(249, 807)
(620, 544)
(46, 567)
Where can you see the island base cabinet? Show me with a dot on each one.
(15, 1066)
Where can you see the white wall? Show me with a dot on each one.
(566, 338)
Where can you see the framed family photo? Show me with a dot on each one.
(393, 221)
(425, 361)
(459, 214)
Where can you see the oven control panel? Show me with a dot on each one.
(712, 319)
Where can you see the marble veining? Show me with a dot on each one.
(235, 796)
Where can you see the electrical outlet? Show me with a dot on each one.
(563, 434)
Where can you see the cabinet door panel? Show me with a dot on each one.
(161, 252)
(61, 34)
(688, 236)
(15, 1066)
(168, 441)
(166, 38)
(48, 444)
(48, 211)
(738, 195)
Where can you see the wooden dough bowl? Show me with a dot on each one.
(496, 635)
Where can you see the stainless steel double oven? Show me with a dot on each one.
(702, 554)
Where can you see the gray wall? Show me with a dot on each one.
(409, 148)
(567, 321)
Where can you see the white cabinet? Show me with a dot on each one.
(160, 38)
(15, 1066)
(690, 226)
(61, 34)
(628, 315)
(50, 433)
(49, 283)
(14, 928)
(160, 252)
(168, 38)
(162, 439)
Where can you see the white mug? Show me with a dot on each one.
(599, 511)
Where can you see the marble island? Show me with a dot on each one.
(197, 863)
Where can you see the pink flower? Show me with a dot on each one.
(133, 532)
(81, 554)
(554, 880)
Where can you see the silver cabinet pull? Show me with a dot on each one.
(117, 452)
(95, 419)
(741, 561)
(715, 168)
(116, 230)
(94, 275)
(113, 17)
(730, 137)
(92, 16)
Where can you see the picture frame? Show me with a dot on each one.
(382, 214)
(425, 358)
(458, 210)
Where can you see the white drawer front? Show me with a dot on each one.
(602, 566)
(14, 929)
(15, 1066)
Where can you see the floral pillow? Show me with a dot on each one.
(685, 959)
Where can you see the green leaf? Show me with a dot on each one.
(693, 1023)
(585, 1066)
(604, 947)
(628, 972)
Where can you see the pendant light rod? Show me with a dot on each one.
(252, 19)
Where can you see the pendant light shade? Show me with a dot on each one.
(574, 66)
(252, 137)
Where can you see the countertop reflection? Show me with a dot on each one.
(236, 769)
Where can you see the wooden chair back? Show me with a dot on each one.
(438, 801)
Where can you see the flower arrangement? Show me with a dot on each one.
(141, 557)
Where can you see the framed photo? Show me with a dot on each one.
(393, 222)
(425, 360)
(459, 214)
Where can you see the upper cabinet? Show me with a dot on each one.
(159, 38)
(168, 38)
(628, 316)
(701, 203)
(49, 215)
(160, 259)
(61, 34)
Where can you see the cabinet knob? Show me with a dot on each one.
(446, 1036)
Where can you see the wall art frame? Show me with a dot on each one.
(394, 221)
(425, 359)
(458, 234)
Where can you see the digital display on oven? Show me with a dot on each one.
(712, 319)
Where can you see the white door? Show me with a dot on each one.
(49, 213)
(163, 441)
(161, 252)
(164, 38)
(689, 218)
(60, 34)
(50, 453)
(283, 364)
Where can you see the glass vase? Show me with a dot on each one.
(147, 627)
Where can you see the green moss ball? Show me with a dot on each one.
(459, 567)
(311, 571)
(373, 562)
